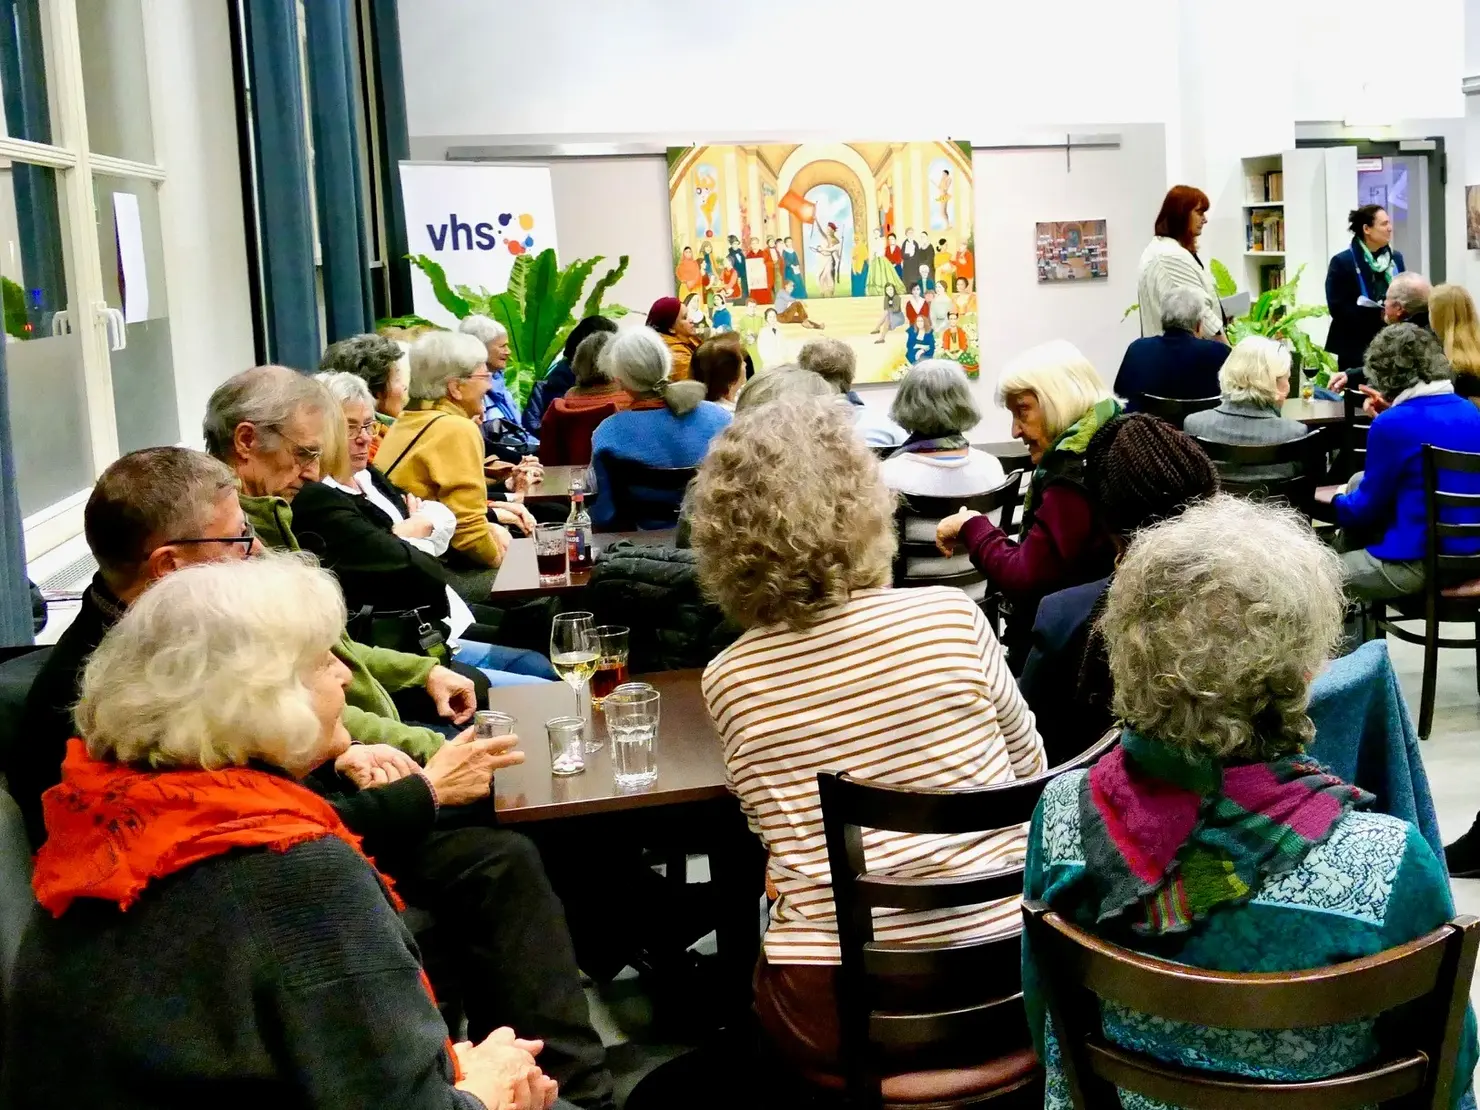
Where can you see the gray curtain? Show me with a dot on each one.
(395, 147)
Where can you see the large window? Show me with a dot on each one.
(86, 319)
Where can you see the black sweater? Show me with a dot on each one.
(253, 979)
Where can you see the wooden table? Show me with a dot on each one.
(554, 486)
(1314, 414)
(518, 577)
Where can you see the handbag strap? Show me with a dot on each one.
(415, 440)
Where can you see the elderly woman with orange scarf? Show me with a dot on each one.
(209, 931)
(667, 318)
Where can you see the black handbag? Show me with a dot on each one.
(407, 630)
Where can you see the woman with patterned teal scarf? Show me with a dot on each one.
(1058, 402)
(1357, 281)
(1207, 837)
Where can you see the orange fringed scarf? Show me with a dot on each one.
(111, 830)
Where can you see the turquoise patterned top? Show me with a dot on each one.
(1373, 884)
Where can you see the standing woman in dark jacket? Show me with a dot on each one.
(1356, 284)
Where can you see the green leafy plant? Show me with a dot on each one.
(17, 323)
(1275, 316)
(537, 308)
(410, 320)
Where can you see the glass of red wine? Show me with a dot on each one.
(550, 553)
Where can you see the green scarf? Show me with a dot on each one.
(1378, 262)
(1073, 442)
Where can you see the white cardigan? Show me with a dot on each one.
(1165, 265)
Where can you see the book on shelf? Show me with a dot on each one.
(1265, 188)
(1271, 277)
(1265, 231)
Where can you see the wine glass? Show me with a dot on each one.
(573, 652)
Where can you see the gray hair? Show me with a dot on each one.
(440, 358)
(1410, 291)
(484, 329)
(832, 359)
(370, 357)
(207, 669)
(1253, 370)
(585, 364)
(1182, 308)
(267, 397)
(1215, 621)
(638, 360)
(786, 380)
(1402, 356)
(934, 399)
(347, 389)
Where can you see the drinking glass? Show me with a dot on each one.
(488, 723)
(566, 735)
(611, 661)
(632, 712)
(550, 553)
(573, 653)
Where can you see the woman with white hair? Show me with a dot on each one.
(1254, 381)
(1058, 402)
(379, 362)
(669, 424)
(1208, 836)
(207, 926)
(498, 401)
(435, 450)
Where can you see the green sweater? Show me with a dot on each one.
(370, 715)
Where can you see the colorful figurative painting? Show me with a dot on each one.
(1472, 216)
(868, 242)
(1072, 250)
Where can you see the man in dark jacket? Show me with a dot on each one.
(486, 887)
(1179, 363)
(1406, 302)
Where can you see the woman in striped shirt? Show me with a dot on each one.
(794, 532)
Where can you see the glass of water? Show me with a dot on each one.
(566, 740)
(488, 723)
(632, 711)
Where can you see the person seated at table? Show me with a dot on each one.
(561, 377)
(786, 380)
(720, 364)
(1208, 836)
(1178, 363)
(570, 421)
(837, 363)
(1411, 387)
(935, 407)
(794, 532)
(435, 451)
(1406, 302)
(501, 420)
(1139, 471)
(669, 424)
(1058, 403)
(667, 318)
(382, 365)
(1254, 383)
(206, 923)
(1453, 319)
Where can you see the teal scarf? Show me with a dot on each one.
(1378, 262)
(1073, 442)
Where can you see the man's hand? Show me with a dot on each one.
(368, 765)
(502, 1072)
(1337, 384)
(948, 530)
(455, 695)
(509, 513)
(462, 770)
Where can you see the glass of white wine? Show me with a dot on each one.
(573, 651)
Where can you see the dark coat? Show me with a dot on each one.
(1353, 326)
(556, 384)
(1066, 685)
(654, 591)
(1174, 364)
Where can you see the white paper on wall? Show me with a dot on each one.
(133, 275)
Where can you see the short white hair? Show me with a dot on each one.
(1253, 371)
(440, 358)
(348, 389)
(1182, 308)
(1064, 381)
(1410, 291)
(484, 329)
(207, 668)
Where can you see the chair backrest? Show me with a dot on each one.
(1441, 566)
(1355, 423)
(652, 494)
(1174, 410)
(916, 509)
(565, 434)
(1432, 973)
(908, 1007)
(1298, 491)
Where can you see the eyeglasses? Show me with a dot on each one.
(484, 375)
(246, 541)
(303, 456)
(365, 429)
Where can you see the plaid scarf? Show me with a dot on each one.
(1169, 838)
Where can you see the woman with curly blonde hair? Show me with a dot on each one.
(794, 531)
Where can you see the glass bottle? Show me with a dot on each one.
(578, 531)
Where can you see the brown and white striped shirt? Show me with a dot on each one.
(908, 687)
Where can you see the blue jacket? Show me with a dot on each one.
(654, 437)
(1390, 496)
(1175, 364)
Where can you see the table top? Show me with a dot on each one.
(1314, 413)
(690, 760)
(554, 486)
(518, 577)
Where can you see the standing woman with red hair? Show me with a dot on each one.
(1170, 261)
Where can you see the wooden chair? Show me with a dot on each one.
(1433, 973)
(1174, 410)
(1298, 491)
(1353, 454)
(917, 1019)
(633, 486)
(1437, 602)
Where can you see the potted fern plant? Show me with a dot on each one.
(1276, 316)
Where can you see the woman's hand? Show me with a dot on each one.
(501, 1071)
(501, 539)
(462, 770)
(949, 530)
(456, 696)
(415, 527)
(1375, 404)
(368, 765)
(496, 468)
(509, 513)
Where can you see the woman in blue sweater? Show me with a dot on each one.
(669, 425)
(1411, 385)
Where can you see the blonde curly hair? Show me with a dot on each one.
(790, 515)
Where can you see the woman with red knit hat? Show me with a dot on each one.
(667, 318)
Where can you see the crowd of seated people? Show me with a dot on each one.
(1180, 363)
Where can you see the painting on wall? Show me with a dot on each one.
(870, 243)
(1072, 250)
(1472, 217)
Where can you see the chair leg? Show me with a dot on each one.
(1477, 655)
(1430, 676)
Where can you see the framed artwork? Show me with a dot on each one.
(870, 243)
(1472, 217)
(1072, 250)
